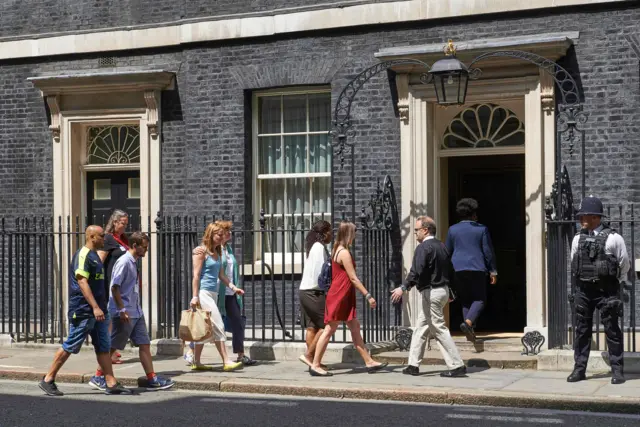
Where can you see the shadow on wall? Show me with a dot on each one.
(406, 227)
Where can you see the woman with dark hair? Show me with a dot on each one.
(341, 302)
(116, 244)
(469, 244)
(312, 297)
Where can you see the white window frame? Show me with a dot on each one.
(276, 262)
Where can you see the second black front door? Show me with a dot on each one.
(497, 183)
(107, 191)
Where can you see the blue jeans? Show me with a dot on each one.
(79, 329)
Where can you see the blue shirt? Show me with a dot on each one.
(470, 247)
(86, 263)
(125, 276)
(209, 274)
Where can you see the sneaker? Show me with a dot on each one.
(188, 358)
(50, 388)
(99, 383)
(246, 361)
(200, 367)
(117, 389)
(158, 383)
(232, 366)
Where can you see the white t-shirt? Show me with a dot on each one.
(313, 267)
(229, 273)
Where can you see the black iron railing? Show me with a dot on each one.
(34, 282)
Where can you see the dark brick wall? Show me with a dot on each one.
(204, 147)
(21, 17)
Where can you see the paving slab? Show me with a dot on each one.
(481, 386)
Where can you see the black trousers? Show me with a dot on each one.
(588, 298)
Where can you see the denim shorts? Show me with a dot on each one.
(136, 329)
(79, 329)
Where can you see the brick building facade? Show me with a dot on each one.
(202, 66)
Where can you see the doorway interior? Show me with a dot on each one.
(497, 182)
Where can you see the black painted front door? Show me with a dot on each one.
(107, 191)
(497, 183)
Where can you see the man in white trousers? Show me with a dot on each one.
(431, 274)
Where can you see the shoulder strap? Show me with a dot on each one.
(335, 257)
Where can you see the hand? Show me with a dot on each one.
(124, 317)
(494, 279)
(194, 302)
(235, 289)
(396, 294)
(99, 315)
(372, 302)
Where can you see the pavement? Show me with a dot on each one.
(24, 405)
(482, 386)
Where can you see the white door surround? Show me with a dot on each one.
(422, 186)
(78, 101)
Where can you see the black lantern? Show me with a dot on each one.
(450, 78)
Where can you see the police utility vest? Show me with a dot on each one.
(591, 263)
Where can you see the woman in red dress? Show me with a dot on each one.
(341, 302)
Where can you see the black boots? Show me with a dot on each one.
(617, 377)
(576, 375)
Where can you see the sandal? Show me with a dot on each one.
(315, 373)
(372, 369)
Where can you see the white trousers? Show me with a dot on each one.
(431, 321)
(209, 302)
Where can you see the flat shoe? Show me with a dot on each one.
(232, 366)
(372, 369)
(315, 373)
(195, 367)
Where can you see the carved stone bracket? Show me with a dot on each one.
(547, 95)
(151, 98)
(402, 84)
(53, 101)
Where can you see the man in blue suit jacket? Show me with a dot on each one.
(473, 259)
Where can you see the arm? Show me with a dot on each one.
(619, 250)
(487, 250)
(449, 242)
(413, 278)
(88, 295)
(347, 262)
(118, 277)
(226, 282)
(197, 259)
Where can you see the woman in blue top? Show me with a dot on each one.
(207, 270)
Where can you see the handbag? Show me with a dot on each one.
(195, 325)
(324, 280)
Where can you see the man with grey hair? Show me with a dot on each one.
(431, 274)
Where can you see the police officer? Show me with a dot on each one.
(599, 265)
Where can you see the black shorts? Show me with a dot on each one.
(312, 308)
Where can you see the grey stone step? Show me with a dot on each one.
(487, 359)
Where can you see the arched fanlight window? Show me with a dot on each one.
(484, 126)
(113, 144)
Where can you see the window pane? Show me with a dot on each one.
(270, 152)
(321, 189)
(272, 242)
(295, 151)
(319, 112)
(133, 188)
(272, 196)
(295, 113)
(319, 153)
(298, 196)
(102, 189)
(269, 110)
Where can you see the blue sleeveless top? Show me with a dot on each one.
(209, 274)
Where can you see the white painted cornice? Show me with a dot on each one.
(284, 21)
(100, 82)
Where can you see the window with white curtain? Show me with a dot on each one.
(293, 162)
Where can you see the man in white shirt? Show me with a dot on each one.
(599, 264)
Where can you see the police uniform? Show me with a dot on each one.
(599, 264)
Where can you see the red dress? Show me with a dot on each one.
(341, 298)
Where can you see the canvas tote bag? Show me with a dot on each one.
(195, 325)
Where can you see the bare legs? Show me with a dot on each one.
(197, 352)
(358, 342)
(311, 338)
(104, 360)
